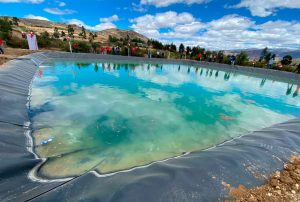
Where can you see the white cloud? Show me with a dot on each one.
(109, 19)
(105, 23)
(61, 3)
(138, 8)
(98, 27)
(230, 22)
(57, 11)
(228, 32)
(263, 8)
(179, 22)
(165, 3)
(30, 16)
(22, 1)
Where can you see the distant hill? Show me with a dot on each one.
(39, 26)
(103, 35)
(255, 53)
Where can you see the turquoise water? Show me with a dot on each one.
(109, 116)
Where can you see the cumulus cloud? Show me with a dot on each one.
(22, 1)
(138, 8)
(165, 3)
(179, 22)
(267, 7)
(228, 32)
(61, 3)
(30, 16)
(58, 11)
(105, 23)
(109, 19)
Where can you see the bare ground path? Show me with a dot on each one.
(12, 53)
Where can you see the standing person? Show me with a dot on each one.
(1, 46)
(233, 58)
(270, 63)
(298, 69)
(200, 56)
(94, 47)
(149, 53)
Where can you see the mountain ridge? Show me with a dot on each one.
(38, 26)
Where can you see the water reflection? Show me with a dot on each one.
(208, 72)
(296, 93)
(96, 67)
(134, 114)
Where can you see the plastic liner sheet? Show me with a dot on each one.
(197, 176)
(16, 159)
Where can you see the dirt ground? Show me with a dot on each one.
(11, 53)
(283, 186)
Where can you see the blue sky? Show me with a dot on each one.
(214, 24)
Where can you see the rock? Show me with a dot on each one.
(289, 167)
(295, 176)
(297, 171)
(277, 175)
(278, 192)
(286, 180)
(274, 183)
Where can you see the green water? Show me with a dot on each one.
(112, 117)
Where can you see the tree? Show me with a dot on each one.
(220, 56)
(5, 28)
(173, 47)
(62, 34)
(188, 49)
(197, 50)
(170, 47)
(56, 33)
(44, 39)
(83, 33)
(242, 59)
(263, 54)
(92, 37)
(112, 39)
(287, 60)
(15, 21)
(181, 48)
(156, 44)
(71, 31)
(208, 55)
(266, 55)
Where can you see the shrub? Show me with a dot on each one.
(242, 59)
(44, 40)
(287, 60)
(81, 47)
(5, 29)
(286, 68)
(16, 42)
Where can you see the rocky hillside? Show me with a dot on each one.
(39, 26)
(117, 33)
